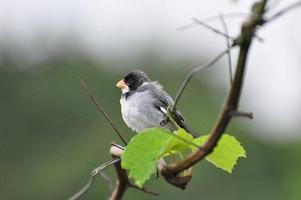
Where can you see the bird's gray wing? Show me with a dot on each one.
(161, 99)
(161, 102)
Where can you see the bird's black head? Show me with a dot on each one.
(135, 78)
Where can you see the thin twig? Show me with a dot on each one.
(201, 22)
(143, 189)
(228, 46)
(284, 10)
(212, 18)
(108, 180)
(83, 190)
(243, 114)
(212, 29)
(194, 71)
(101, 110)
(93, 174)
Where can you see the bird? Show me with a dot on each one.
(144, 104)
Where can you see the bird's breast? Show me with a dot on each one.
(138, 113)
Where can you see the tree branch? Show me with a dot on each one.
(122, 181)
(244, 41)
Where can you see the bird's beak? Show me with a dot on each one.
(121, 84)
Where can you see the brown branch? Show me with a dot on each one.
(231, 105)
(122, 181)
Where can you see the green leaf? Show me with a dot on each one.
(225, 154)
(146, 148)
(178, 142)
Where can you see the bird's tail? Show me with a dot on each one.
(180, 121)
(189, 130)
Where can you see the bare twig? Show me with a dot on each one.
(143, 189)
(228, 46)
(108, 180)
(212, 18)
(200, 22)
(231, 105)
(193, 72)
(284, 10)
(101, 110)
(211, 28)
(243, 114)
(93, 174)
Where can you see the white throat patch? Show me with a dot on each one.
(125, 90)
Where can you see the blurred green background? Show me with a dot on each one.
(52, 135)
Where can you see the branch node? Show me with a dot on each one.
(179, 180)
(116, 150)
(242, 114)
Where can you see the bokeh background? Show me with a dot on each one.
(51, 135)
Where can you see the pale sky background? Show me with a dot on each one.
(115, 31)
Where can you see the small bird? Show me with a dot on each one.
(144, 104)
